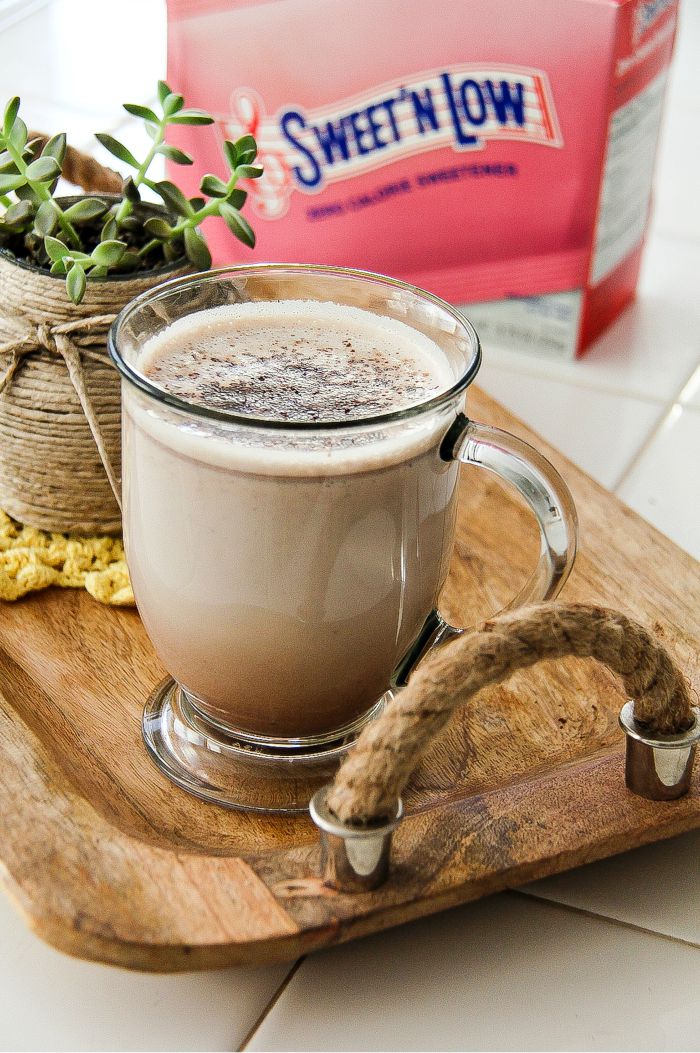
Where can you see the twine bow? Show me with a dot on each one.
(58, 340)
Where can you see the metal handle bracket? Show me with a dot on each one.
(353, 858)
(658, 767)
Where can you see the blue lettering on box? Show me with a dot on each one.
(473, 102)
(333, 140)
(310, 176)
(507, 101)
(461, 108)
(426, 116)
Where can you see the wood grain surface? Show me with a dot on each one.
(107, 860)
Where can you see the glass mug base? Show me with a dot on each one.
(240, 771)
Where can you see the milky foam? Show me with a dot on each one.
(296, 361)
(229, 348)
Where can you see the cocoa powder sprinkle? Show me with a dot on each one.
(300, 369)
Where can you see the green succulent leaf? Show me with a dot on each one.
(173, 250)
(18, 134)
(110, 230)
(157, 226)
(173, 197)
(18, 213)
(173, 154)
(27, 193)
(55, 248)
(58, 267)
(191, 117)
(196, 249)
(197, 203)
(108, 253)
(75, 256)
(99, 272)
(117, 149)
(131, 191)
(7, 164)
(76, 283)
(56, 147)
(231, 154)
(86, 209)
(163, 91)
(11, 182)
(11, 111)
(43, 170)
(172, 104)
(213, 186)
(129, 261)
(250, 171)
(237, 198)
(237, 224)
(145, 112)
(46, 219)
(246, 149)
(131, 223)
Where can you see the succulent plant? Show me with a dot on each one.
(95, 236)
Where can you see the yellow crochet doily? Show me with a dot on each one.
(31, 559)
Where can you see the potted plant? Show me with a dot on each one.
(67, 267)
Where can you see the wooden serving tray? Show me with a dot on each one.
(107, 860)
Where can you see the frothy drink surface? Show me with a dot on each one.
(281, 579)
(296, 361)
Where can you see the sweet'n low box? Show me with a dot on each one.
(499, 153)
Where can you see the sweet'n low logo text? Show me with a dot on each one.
(462, 108)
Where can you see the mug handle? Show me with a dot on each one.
(545, 492)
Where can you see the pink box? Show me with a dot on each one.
(497, 152)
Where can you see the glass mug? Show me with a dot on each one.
(288, 574)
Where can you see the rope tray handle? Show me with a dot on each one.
(363, 805)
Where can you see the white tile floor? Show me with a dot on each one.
(52, 1002)
(512, 972)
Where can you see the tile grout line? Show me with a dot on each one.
(556, 904)
(540, 372)
(692, 382)
(270, 1004)
(24, 10)
(644, 446)
(673, 409)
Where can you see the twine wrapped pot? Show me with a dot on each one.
(60, 418)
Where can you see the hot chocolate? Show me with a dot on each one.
(297, 361)
(282, 574)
